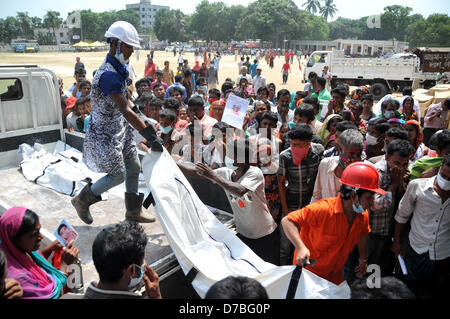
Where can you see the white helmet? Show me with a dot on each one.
(125, 32)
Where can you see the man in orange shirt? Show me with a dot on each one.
(328, 230)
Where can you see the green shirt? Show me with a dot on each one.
(423, 164)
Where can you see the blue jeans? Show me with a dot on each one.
(130, 176)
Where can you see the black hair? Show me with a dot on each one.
(29, 222)
(82, 100)
(200, 80)
(215, 92)
(345, 125)
(117, 247)
(381, 124)
(167, 113)
(321, 81)
(175, 88)
(221, 126)
(443, 139)
(314, 101)
(80, 70)
(390, 288)
(178, 78)
(368, 97)
(196, 101)
(61, 227)
(446, 160)
(312, 74)
(356, 102)
(156, 102)
(159, 72)
(141, 81)
(391, 102)
(237, 288)
(150, 78)
(227, 85)
(271, 116)
(301, 132)
(283, 92)
(346, 191)
(339, 90)
(398, 133)
(402, 147)
(187, 73)
(195, 129)
(447, 102)
(263, 88)
(240, 145)
(84, 83)
(407, 90)
(306, 110)
(157, 85)
(171, 103)
(408, 99)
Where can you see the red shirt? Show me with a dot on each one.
(286, 67)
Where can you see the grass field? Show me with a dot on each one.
(62, 64)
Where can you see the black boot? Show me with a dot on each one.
(82, 201)
(133, 204)
(153, 140)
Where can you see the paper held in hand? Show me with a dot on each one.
(65, 233)
(235, 111)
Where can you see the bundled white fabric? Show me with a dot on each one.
(63, 171)
(199, 240)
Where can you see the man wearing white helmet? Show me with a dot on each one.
(109, 146)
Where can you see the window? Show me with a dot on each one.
(61, 34)
(10, 89)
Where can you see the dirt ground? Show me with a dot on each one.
(62, 64)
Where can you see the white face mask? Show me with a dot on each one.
(119, 55)
(371, 140)
(442, 182)
(136, 281)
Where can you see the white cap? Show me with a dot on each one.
(125, 32)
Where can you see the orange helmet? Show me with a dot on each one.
(362, 175)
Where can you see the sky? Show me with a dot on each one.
(346, 8)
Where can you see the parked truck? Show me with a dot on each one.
(25, 46)
(382, 74)
(30, 112)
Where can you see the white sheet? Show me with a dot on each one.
(201, 241)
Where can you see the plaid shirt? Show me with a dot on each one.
(381, 216)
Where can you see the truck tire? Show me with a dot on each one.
(378, 90)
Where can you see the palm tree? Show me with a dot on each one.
(25, 23)
(328, 10)
(52, 21)
(312, 6)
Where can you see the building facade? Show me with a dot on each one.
(63, 33)
(146, 11)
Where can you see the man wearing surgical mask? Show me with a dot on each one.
(298, 166)
(245, 190)
(330, 169)
(118, 253)
(427, 254)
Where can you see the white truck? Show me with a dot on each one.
(30, 112)
(382, 74)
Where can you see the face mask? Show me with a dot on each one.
(358, 209)
(165, 130)
(388, 114)
(371, 140)
(442, 182)
(299, 153)
(230, 163)
(204, 88)
(119, 55)
(136, 281)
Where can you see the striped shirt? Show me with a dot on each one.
(423, 164)
(300, 178)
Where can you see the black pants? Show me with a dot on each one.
(267, 247)
(379, 253)
(427, 278)
(285, 78)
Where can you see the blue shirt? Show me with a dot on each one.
(252, 70)
(78, 95)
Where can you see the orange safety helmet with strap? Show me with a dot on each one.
(362, 175)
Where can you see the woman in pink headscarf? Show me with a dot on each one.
(20, 238)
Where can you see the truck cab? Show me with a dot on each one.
(316, 62)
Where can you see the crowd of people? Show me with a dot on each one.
(325, 178)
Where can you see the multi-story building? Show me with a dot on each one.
(146, 11)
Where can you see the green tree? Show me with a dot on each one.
(328, 10)
(26, 24)
(431, 32)
(395, 21)
(45, 38)
(9, 29)
(36, 22)
(208, 21)
(52, 21)
(171, 25)
(312, 6)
